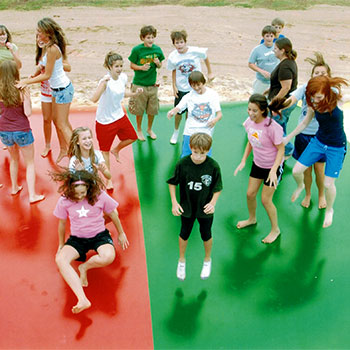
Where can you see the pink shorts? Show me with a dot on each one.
(107, 132)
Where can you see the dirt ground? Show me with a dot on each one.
(229, 33)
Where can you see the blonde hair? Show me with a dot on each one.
(9, 76)
(110, 58)
(201, 141)
(74, 147)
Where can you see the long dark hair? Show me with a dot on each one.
(263, 104)
(286, 44)
(69, 180)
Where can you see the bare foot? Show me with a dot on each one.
(271, 237)
(306, 201)
(328, 219)
(61, 156)
(37, 198)
(151, 134)
(16, 190)
(45, 152)
(81, 306)
(1, 185)
(297, 192)
(83, 275)
(140, 136)
(322, 202)
(116, 155)
(245, 223)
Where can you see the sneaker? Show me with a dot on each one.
(181, 270)
(206, 269)
(174, 137)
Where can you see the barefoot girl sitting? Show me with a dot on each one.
(82, 154)
(15, 131)
(83, 202)
(265, 138)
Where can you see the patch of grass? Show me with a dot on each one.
(271, 4)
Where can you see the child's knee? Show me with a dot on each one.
(251, 195)
(107, 254)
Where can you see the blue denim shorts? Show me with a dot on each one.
(316, 150)
(65, 95)
(21, 138)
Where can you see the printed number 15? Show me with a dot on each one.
(197, 186)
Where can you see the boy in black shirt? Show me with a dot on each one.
(200, 184)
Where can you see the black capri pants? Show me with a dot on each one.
(205, 225)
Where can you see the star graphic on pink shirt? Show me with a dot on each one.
(82, 212)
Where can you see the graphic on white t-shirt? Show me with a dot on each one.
(202, 112)
(186, 67)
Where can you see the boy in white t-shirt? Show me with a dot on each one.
(203, 107)
(182, 62)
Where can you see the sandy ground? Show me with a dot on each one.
(229, 33)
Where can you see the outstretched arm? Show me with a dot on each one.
(241, 165)
(122, 239)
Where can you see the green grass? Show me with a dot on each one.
(272, 4)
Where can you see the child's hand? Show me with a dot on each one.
(123, 241)
(266, 74)
(211, 77)
(209, 208)
(177, 209)
(102, 167)
(175, 91)
(139, 91)
(171, 113)
(156, 62)
(284, 140)
(239, 168)
(21, 85)
(78, 165)
(272, 178)
(9, 46)
(145, 67)
(212, 123)
(106, 78)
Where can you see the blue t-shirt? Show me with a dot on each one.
(331, 129)
(299, 94)
(264, 57)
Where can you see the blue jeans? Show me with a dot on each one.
(21, 138)
(65, 95)
(283, 122)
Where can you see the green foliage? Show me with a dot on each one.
(272, 4)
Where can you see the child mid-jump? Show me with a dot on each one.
(199, 180)
(204, 110)
(144, 60)
(82, 154)
(182, 62)
(15, 131)
(84, 203)
(111, 117)
(265, 138)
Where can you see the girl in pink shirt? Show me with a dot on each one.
(265, 138)
(84, 203)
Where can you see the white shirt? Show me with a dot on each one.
(202, 108)
(87, 162)
(185, 64)
(109, 107)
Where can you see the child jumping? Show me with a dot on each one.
(15, 131)
(265, 138)
(111, 117)
(82, 154)
(83, 202)
(182, 62)
(204, 110)
(200, 184)
(144, 60)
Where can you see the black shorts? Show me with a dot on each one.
(205, 225)
(300, 143)
(262, 173)
(180, 95)
(83, 245)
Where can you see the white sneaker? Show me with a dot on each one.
(206, 269)
(174, 137)
(181, 270)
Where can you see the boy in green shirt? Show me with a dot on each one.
(144, 60)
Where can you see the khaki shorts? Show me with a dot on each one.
(145, 102)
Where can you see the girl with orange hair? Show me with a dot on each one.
(322, 96)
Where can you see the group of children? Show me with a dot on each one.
(198, 176)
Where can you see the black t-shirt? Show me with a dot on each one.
(197, 183)
(285, 70)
